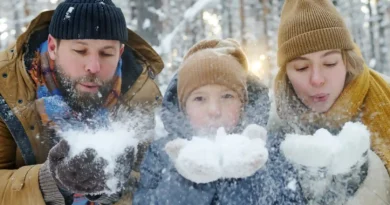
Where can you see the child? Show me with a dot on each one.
(214, 89)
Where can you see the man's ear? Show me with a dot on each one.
(52, 47)
(122, 49)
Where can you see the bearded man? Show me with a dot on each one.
(73, 67)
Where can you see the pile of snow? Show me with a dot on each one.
(109, 143)
(204, 159)
(336, 153)
(312, 151)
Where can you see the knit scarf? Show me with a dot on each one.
(52, 108)
(366, 98)
(54, 111)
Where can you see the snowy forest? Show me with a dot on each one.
(173, 26)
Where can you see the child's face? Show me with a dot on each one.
(212, 106)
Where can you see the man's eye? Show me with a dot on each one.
(107, 54)
(82, 52)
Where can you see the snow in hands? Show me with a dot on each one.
(203, 159)
(109, 143)
(338, 154)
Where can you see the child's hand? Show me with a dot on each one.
(244, 159)
(203, 160)
(173, 147)
(197, 160)
(254, 131)
(242, 156)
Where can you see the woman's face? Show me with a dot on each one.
(212, 106)
(318, 78)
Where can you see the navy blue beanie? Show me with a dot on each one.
(88, 19)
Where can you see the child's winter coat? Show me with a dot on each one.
(161, 184)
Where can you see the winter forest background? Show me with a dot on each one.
(173, 26)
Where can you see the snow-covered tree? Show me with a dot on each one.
(173, 26)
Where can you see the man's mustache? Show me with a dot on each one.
(90, 79)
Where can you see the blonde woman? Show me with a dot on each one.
(323, 82)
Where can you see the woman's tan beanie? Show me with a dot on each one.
(308, 26)
(214, 61)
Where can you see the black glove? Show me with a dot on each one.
(122, 174)
(85, 173)
(82, 174)
(124, 166)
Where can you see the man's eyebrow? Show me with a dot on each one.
(109, 47)
(81, 42)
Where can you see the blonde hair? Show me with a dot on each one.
(354, 64)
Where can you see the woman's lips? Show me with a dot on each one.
(320, 97)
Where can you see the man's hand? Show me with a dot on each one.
(123, 167)
(82, 174)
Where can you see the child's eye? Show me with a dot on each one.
(199, 99)
(227, 96)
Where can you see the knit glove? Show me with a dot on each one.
(196, 160)
(242, 155)
(203, 160)
(354, 144)
(329, 164)
(85, 173)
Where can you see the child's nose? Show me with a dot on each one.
(214, 110)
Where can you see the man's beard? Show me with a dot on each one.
(82, 102)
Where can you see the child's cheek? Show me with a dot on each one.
(233, 118)
(197, 120)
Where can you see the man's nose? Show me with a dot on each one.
(93, 64)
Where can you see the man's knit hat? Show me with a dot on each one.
(214, 61)
(88, 19)
(309, 26)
